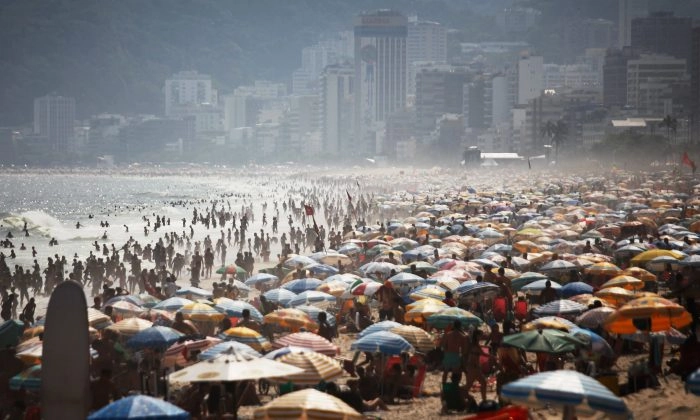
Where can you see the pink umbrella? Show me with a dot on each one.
(308, 340)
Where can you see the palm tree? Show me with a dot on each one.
(671, 125)
(557, 133)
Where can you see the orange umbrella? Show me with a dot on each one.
(615, 295)
(290, 318)
(603, 269)
(648, 313)
(625, 282)
(639, 273)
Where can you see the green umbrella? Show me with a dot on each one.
(448, 316)
(544, 341)
(231, 269)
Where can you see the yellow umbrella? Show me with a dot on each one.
(130, 326)
(421, 313)
(510, 274)
(626, 282)
(201, 312)
(549, 322)
(650, 313)
(316, 367)
(424, 302)
(333, 287)
(417, 337)
(290, 318)
(646, 256)
(527, 246)
(431, 291)
(308, 404)
(615, 295)
(639, 273)
(588, 299)
(247, 336)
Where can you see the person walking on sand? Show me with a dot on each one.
(452, 344)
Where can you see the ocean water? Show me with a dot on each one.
(52, 203)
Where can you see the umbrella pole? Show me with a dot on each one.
(569, 413)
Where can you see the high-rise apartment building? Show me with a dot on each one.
(380, 73)
(615, 76)
(628, 10)
(438, 91)
(54, 119)
(651, 80)
(530, 78)
(663, 33)
(186, 90)
(426, 42)
(695, 87)
(337, 108)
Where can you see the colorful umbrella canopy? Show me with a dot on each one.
(525, 279)
(562, 307)
(201, 312)
(446, 317)
(558, 267)
(180, 352)
(365, 288)
(230, 366)
(302, 285)
(130, 326)
(312, 297)
(308, 340)
(382, 342)
(417, 337)
(543, 341)
(419, 312)
(281, 296)
(625, 282)
(483, 288)
(261, 278)
(603, 269)
(307, 404)
(316, 367)
(379, 326)
(156, 338)
(647, 256)
(537, 286)
(615, 295)
(429, 291)
(128, 298)
(247, 336)
(647, 314)
(565, 388)
(313, 312)
(227, 347)
(639, 273)
(276, 354)
(97, 319)
(126, 308)
(290, 318)
(29, 379)
(553, 322)
(408, 279)
(335, 287)
(148, 300)
(139, 407)
(595, 317)
(575, 288)
(235, 308)
(172, 304)
(595, 343)
(193, 291)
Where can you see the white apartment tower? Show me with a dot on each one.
(426, 43)
(337, 109)
(187, 90)
(530, 78)
(628, 10)
(54, 118)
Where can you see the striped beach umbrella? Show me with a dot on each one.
(148, 300)
(227, 347)
(130, 326)
(417, 337)
(97, 319)
(126, 308)
(247, 336)
(156, 338)
(262, 278)
(307, 404)
(302, 285)
(553, 322)
(172, 304)
(446, 317)
(180, 353)
(565, 388)
(281, 296)
(126, 298)
(235, 308)
(562, 307)
(290, 318)
(603, 269)
(595, 317)
(201, 312)
(316, 368)
(312, 297)
(140, 407)
(307, 340)
(195, 292)
(625, 282)
(429, 291)
(382, 342)
(379, 326)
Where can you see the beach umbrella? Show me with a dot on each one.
(247, 336)
(575, 288)
(615, 295)
(428, 291)
(97, 319)
(417, 337)
(313, 311)
(565, 388)
(560, 307)
(262, 278)
(672, 336)
(307, 404)
(312, 297)
(228, 347)
(558, 267)
(307, 340)
(315, 367)
(553, 322)
(201, 312)
(322, 270)
(639, 273)
(525, 279)
(382, 342)
(483, 288)
(148, 300)
(179, 353)
(172, 304)
(446, 317)
(603, 269)
(234, 308)
(193, 291)
(377, 327)
(365, 288)
(281, 296)
(382, 268)
(647, 314)
(29, 379)
(659, 264)
(596, 344)
(646, 256)
(692, 384)
(126, 298)
(276, 354)
(537, 286)
(10, 333)
(139, 407)
(290, 318)
(231, 269)
(335, 258)
(336, 287)
(625, 282)
(125, 308)
(350, 249)
(302, 285)
(595, 317)
(419, 312)
(231, 366)
(130, 326)
(526, 246)
(156, 338)
(543, 341)
(408, 279)
(295, 261)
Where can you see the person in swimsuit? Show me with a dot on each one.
(452, 343)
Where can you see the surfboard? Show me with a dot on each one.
(65, 371)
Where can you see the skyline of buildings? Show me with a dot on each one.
(388, 89)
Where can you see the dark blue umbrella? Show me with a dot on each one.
(382, 342)
(156, 338)
(575, 288)
(302, 285)
(140, 407)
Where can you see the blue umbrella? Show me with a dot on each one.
(235, 308)
(565, 388)
(194, 291)
(216, 350)
(382, 342)
(127, 298)
(140, 407)
(157, 338)
(575, 288)
(476, 288)
(409, 279)
(173, 304)
(302, 285)
(322, 269)
(561, 307)
(693, 382)
(379, 326)
(261, 278)
(276, 354)
(597, 343)
(313, 312)
(281, 296)
(540, 285)
(311, 296)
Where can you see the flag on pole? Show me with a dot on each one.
(687, 162)
(309, 210)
